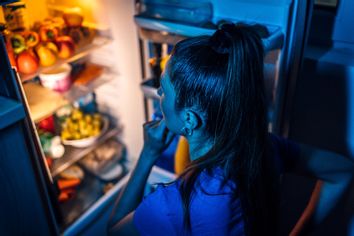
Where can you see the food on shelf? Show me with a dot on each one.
(90, 73)
(80, 35)
(57, 22)
(75, 34)
(57, 79)
(18, 43)
(68, 183)
(14, 14)
(47, 53)
(49, 161)
(48, 33)
(31, 38)
(52, 38)
(73, 172)
(107, 154)
(51, 144)
(10, 52)
(73, 17)
(27, 62)
(63, 112)
(66, 46)
(47, 124)
(66, 194)
(67, 188)
(80, 126)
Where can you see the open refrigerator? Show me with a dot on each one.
(115, 51)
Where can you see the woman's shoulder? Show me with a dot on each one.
(210, 206)
(213, 182)
(159, 208)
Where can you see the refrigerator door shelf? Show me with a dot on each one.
(10, 112)
(165, 28)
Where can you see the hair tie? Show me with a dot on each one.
(221, 40)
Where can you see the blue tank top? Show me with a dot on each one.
(213, 211)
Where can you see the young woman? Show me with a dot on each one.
(212, 93)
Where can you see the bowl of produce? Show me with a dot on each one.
(82, 130)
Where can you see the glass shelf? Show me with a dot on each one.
(44, 102)
(73, 154)
(162, 31)
(76, 91)
(98, 42)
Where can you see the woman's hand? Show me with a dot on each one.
(157, 137)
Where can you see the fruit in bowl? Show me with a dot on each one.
(47, 53)
(81, 129)
(66, 46)
(48, 33)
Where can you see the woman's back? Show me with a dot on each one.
(213, 209)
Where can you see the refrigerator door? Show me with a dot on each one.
(27, 204)
(287, 22)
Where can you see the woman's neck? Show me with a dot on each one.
(198, 147)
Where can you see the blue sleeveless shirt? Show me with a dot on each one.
(161, 212)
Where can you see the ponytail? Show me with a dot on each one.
(223, 75)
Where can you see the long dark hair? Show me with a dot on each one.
(222, 75)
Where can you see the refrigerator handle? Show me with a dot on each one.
(292, 66)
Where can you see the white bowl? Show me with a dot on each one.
(85, 142)
(57, 79)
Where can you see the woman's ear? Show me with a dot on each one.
(192, 119)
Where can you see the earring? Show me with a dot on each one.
(186, 131)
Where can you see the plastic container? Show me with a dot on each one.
(105, 161)
(58, 79)
(189, 12)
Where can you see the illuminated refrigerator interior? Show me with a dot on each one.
(97, 64)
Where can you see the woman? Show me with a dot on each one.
(212, 93)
